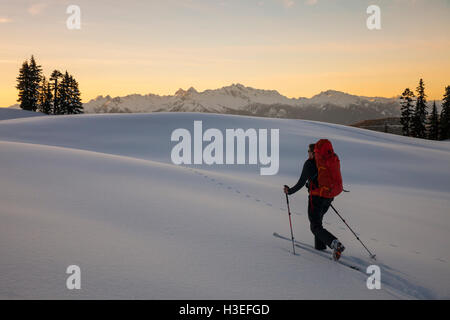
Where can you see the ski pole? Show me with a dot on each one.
(290, 222)
(372, 256)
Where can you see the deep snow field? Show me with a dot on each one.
(100, 191)
(13, 113)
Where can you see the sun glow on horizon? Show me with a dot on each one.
(298, 49)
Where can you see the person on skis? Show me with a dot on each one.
(317, 206)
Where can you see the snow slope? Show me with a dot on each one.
(10, 113)
(99, 191)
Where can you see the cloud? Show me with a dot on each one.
(36, 8)
(5, 20)
(311, 2)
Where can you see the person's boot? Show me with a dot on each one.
(338, 248)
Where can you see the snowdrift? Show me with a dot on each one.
(10, 113)
(100, 192)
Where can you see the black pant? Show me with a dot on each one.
(317, 207)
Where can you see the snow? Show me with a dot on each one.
(344, 100)
(12, 113)
(235, 96)
(99, 191)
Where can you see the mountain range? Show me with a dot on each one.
(328, 106)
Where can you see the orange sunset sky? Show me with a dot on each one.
(297, 47)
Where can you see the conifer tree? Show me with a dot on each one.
(444, 121)
(64, 94)
(45, 97)
(23, 85)
(28, 84)
(406, 111)
(35, 82)
(58, 95)
(55, 76)
(420, 112)
(433, 124)
(75, 105)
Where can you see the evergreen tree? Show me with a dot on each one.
(28, 84)
(75, 105)
(444, 122)
(45, 97)
(59, 95)
(420, 113)
(35, 82)
(64, 94)
(23, 85)
(433, 124)
(407, 111)
(55, 78)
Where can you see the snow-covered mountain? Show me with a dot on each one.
(330, 106)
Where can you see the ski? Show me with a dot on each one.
(319, 253)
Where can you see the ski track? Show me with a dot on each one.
(391, 277)
(284, 210)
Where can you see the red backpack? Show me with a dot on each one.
(329, 170)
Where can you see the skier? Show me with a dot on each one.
(317, 206)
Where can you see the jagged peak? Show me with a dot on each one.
(180, 92)
(192, 90)
(331, 92)
(241, 87)
(238, 85)
(234, 86)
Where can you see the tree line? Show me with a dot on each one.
(57, 95)
(416, 120)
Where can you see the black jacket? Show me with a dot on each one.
(309, 173)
